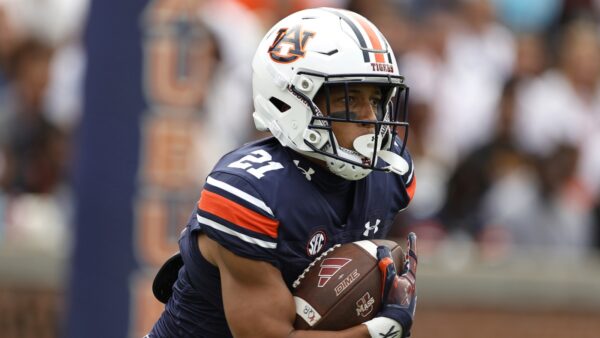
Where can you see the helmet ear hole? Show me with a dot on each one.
(280, 105)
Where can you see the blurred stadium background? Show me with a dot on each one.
(111, 113)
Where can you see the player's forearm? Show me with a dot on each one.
(375, 328)
(272, 316)
(359, 331)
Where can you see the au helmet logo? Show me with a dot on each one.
(289, 44)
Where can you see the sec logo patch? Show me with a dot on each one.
(316, 243)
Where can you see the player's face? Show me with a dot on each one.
(363, 102)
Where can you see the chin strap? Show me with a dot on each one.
(365, 144)
(397, 164)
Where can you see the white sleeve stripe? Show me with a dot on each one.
(245, 238)
(412, 171)
(241, 194)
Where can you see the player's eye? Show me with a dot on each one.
(350, 100)
(375, 101)
(344, 115)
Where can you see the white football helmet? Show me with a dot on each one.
(309, 51)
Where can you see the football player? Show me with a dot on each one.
(336, 170)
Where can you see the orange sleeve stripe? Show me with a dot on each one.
(411, 188)
(237, 214)
(372, 37)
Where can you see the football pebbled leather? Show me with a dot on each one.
(342, 287)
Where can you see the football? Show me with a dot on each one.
(342, 287)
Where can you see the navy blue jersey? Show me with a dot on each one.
(266, 202)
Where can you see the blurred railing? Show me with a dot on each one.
(528, 294)
(31, 293)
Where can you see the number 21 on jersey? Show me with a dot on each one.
(257, 164)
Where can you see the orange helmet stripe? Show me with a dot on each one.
(375, 42)
(411, 188)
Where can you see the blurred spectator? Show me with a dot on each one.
(531, 56)
(502, 197)
(544, 211)
(563, 106)
(34, 148)
(475, 176)
(573, 9)
(35, 156)
(56, 23)
(479, 57)
(64, 96)
(456, 67)
(424, 67)
(226, 123)
(9, 39)
(48, 21)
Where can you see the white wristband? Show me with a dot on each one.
(383, 327)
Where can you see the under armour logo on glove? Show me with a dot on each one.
(383, 327)
(392, 332)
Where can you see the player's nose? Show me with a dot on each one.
(367, 113)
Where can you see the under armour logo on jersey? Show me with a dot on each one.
(307, 173)
(369, 227)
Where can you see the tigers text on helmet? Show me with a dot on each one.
(311, 51)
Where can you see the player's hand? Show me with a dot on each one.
(399, 292)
